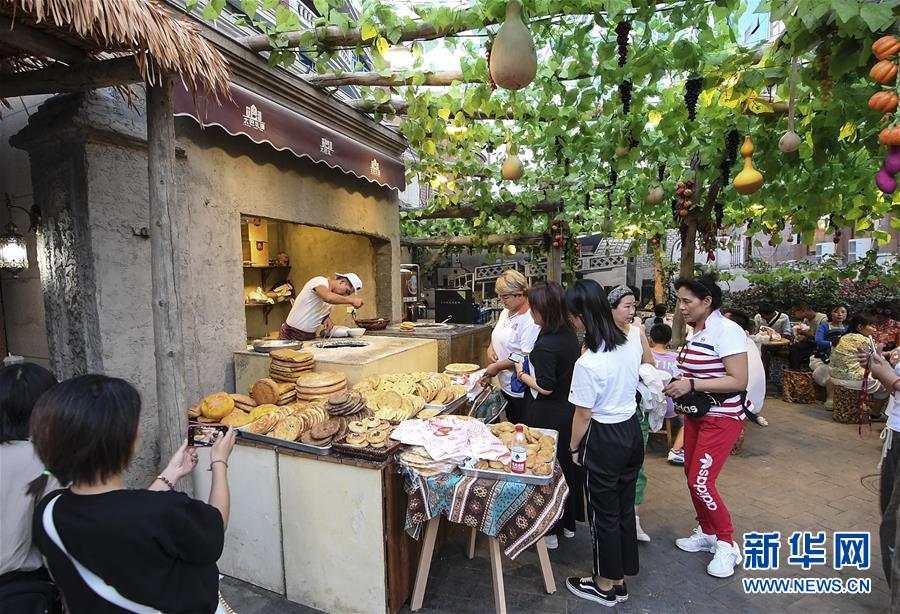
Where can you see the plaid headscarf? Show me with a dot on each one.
(615, 295)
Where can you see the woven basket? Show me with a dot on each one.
(374, 323)
(846, 405)
(797, 387)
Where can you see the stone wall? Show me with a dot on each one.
(90, 155)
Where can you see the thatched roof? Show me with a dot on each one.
(145, 28)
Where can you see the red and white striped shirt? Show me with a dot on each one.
(701, 358)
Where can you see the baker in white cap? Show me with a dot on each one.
(313, 305)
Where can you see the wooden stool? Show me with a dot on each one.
(798, 387)
(666, 430)
(425, 557)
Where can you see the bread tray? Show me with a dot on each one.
(284, 443)
(367, 453)
(526, 478)
(449, 407)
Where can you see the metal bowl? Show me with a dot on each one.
(268, 345)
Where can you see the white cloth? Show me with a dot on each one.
(756, 378)
(893, 407)
(653, 399)
(466, 439)
(309, 309)
(19, 465)
(513, 334)
(605, 382)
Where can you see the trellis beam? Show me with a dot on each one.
(506, 208)
(527, 238)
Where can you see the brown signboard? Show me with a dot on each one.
(266, 121)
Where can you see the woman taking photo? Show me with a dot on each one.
(713, 360)
(111, 549)
(515, 333)
(547, 402)
(606, 440)
(624, 304)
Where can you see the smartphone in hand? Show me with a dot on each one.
(516, 357)
(205, 435)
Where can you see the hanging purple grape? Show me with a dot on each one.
(625, 88)
(692, 89)
(623, 28)
(732, 140)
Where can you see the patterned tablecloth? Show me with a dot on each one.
(517, 514)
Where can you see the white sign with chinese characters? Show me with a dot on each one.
(375, 168)
(327, 147)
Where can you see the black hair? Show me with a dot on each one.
(801, 304)
(20, 387)
(545, 298)
(741, 318)
(586, 300)
(84, 429)
(659, 310)
(661, 333)
(858, 321)
(701, 287)
(767, 309)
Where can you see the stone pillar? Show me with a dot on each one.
(65, 256)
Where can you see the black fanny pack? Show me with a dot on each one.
(698, 404)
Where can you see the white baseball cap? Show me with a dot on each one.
(353, 278)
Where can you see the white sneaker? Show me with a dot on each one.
(551, 541)
(697, 542)
(727, 556)
(641, 534)
(568, 534)
(762, 421)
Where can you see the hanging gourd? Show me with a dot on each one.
(513, 61)
(512, 169)
(790, 140)
(655, 195)
(749, 180)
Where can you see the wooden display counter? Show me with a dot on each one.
(382, 355)
(324, 531)
(456, 343)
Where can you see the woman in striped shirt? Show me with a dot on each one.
(713, 360)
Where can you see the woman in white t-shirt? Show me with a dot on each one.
(713, 361)
(515, 333)
(606, 440)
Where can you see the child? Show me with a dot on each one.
(660, 336)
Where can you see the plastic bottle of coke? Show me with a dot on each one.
(519, 451)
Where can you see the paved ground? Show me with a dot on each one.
(804, 472)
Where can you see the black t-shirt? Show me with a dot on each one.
(553, 361)
(158, 549)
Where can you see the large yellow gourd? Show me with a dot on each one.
(513, 56)
(512, 169)
(749, 180)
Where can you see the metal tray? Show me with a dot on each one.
(292, 445)
(269, 345)
(449, 407)
(341, 344)
(493, 474)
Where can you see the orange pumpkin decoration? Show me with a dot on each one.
(890, 136)
(883, 102)
(885, 47)
(884, 71)
(682, 212)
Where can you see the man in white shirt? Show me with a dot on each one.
(313, 305)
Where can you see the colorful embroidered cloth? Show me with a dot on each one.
(517, 514)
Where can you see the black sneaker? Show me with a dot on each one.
(621, 592)
(586, 589)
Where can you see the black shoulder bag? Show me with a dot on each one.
(696, 403)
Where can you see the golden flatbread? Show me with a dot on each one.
(322, 379)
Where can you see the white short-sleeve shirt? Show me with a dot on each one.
(309, 309)
(513, 334)
(606, 382)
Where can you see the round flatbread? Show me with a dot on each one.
(265, 391)
(322, 379)
(291, 355)
(326, 429)
(461, 368)
(243, 399)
